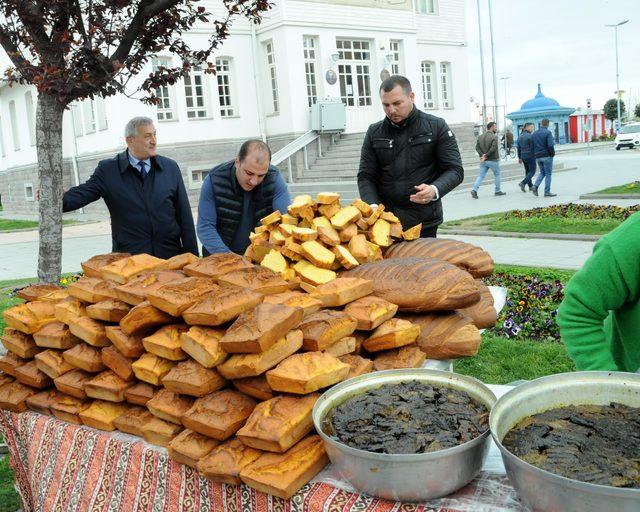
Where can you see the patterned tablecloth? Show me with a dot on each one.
(64, 467)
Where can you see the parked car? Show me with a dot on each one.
(628, 136)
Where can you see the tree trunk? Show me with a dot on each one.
(49, 149)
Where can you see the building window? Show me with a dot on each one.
(101, 113)
(354, 71)
(445, 84)
(164, 107)
(429, 85)
(196, 176)
(14, 125)
(31, 117)
(273, 78)
(425, 6)
(395, 50)
(76, 117)
(3, 151)
(194, 90)
(310, 47)
(223, 74)
(89, 116)
(28, 192)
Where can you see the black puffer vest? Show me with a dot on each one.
(228, 196)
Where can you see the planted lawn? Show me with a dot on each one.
(583, 219)
(629, 188)
(11, 224)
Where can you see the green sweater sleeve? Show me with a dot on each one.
(594, 291)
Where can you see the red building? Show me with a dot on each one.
(579, 129)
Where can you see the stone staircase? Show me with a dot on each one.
(337, 169)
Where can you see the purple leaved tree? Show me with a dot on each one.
(76, 49)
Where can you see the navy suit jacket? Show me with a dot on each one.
(151, 216)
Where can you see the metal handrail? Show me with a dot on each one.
(293, 147)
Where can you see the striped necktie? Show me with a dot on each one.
(143, 168)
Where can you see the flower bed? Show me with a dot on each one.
(575, 211)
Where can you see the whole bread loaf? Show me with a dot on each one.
(143, 318)
(29, 375)
(110, 310)
(9, 362)
(203, 344)
(67, 408)
(418, 284)
(466, 256)
(113, 359)
(224, 462)
(188, 447)
(30, 317)
(100, 414)
(176, 296)
(52, 363)
(217, 265)
(483, 313)
(259, 279)
(72, 383)
(191, 378)
(409, 356)
(131, 421)
(128, 346)
(256, 387)
(19, 343)
(41, 402)
(221, 304)
(92, 289)
(38, 291)
(107, 386)
(13, 396)
(68, 309)
(92, 266)
(169, 406)
(85, 357)
(446, 335)
(136, 290)
(122, 270)
(160, 432)
(55, 335)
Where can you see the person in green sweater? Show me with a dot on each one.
(599, 317)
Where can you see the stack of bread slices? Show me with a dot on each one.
(221, 361)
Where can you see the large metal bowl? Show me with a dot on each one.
(415, 477)
(540, 489)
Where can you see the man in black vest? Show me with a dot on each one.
(236, 195)
(145, 194)
(409, 160)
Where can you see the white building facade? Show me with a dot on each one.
(268, 77)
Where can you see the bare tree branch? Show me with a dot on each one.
(28, 14)
(132, 31)
(14, 53)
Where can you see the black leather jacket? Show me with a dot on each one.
(396, 158)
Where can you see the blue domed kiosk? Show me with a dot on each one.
(540, 107)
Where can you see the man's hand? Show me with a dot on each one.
(424, 194)
(483, 158)
(519, 160)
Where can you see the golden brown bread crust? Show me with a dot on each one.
(346, 345)
(370, 312)
(41, 402)
(92, 289)
(69, 308)
(394, 333)
(30, 317)
(107, 386)
(483, 313)
(55, 335)
(85, 357)
(203, 344)
(240, 366)
(89, 330)
(224, 462)
(446, 335)
(409, 356)
(217, 265)
(277, 424)
(220, 414)
(259, 279)
(418, 284)
(13, 396)
(144, 318)
(357, 365)
(140, 393)
(151, 368)
(283, 474)
(295, 299)
(159, 432)
(466, 256)
(131, 422)
(110, 310)
(258, 329)
(72, 383)
(177, 296)
(113, 359)
(165, 342)
(256, 387)
(38, 291)
(342, 290)
(222, 304)
(136, 290)
(125, 269)
(307, 372)
(51, 363)
(189, 447)
(9, 363)
(324, 328)
(169, 406)
(100, 414)
(178, 262)
(67, 408)
(193, 379)
(128, 346)
(92, 266)
(19, 343)
(5, 378)
(29, 375)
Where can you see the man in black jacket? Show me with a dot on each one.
(409, 160)
(145, 194)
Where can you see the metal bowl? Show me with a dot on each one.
(415, 477)
(540, 489)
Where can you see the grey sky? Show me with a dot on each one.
(563, 44)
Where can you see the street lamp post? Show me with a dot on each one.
(504, 83)
(484, 91)
(615, 27)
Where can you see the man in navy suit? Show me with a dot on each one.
(145, 194)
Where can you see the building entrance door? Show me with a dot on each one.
(354, 76)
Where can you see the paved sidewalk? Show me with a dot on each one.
(604, 168)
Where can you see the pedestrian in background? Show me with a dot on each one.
(543, 150)
(487, 148)
(525, 156)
